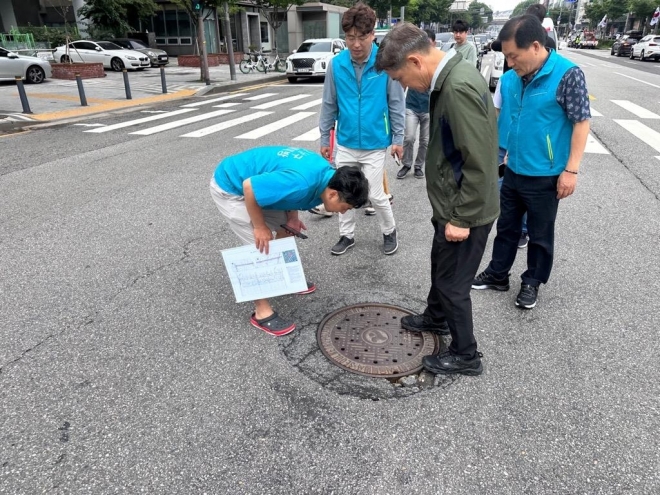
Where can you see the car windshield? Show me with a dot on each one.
(444, 36)
(137, 45)
(106, 45)
(447, 46)
(315, 46)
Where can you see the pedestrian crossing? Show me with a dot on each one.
(272, 112)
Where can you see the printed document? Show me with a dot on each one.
(256, 275)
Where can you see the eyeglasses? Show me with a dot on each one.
(361, 39)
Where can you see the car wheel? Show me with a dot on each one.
(612, 51)
(632, 54)
(65, 59)
(618, 52)
(35, 74)
(292, 80)
(116, 64)
(641, 56)
(140, 68)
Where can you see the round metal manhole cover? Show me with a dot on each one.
(368, 339)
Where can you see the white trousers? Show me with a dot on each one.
(372, 163)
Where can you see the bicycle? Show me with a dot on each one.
(278, 64)
(252, 61)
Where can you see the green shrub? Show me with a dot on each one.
(54, 36)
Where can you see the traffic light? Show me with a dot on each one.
(197, 5)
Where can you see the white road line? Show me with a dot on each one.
(309, 104)
(206, 102)
(90, 125)
(641, 112)
(227, 105)
(594, 112)
(593, 146)
(312, 135)
(154, 111)
(639, 130)
(658, 157)
(275, 126)
(260, 97)
(140, 121)
(179, 123)
(226, 125)
(275, 103)
(638, 80)
(587, 64)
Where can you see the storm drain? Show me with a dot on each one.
(368, 339)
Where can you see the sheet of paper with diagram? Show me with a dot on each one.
(255, 275)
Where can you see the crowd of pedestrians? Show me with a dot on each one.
(538, 126)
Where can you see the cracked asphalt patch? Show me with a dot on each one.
(302, 350)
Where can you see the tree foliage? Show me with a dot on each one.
(110, 16)
(643, 9)
(522, 7)
(474, 16)
(427, 11)
(598, 9)
(274, 12)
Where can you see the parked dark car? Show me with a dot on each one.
(156, 57)
(622, 46)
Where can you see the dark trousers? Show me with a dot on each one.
(453, 267)
(537, 196)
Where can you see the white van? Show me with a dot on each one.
(550, 29)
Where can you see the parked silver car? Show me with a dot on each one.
(31, 69)
(156, 56)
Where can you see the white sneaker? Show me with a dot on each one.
(320, 210)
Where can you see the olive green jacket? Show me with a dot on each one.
(461, 161)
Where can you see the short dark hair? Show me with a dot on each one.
(431, 34)
(352, 186)
(401, 41)
(538, 10)
(359, 16)
(524, 30)
(460, 26)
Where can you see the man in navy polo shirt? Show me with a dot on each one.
(260, 189)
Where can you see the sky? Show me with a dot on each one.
(502, 4)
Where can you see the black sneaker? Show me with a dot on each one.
(421, 323)
(390, 244)
(419, 174)
(523, 241)
(486, 281)
(403, 172)
(343, 245)
(527, 296)
(448, 363)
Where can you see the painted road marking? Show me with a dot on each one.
(214, 100)
(281, 101)
(179, 123)
(226, 125)
(641, 112)
(639, 130)
(140, 121)
(275, 126)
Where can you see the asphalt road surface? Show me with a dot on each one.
(126, 366)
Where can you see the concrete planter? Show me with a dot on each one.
(69, 71)
(196, 60)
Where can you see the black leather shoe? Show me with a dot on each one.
(421, 323)
(402, 172)
(447, 363)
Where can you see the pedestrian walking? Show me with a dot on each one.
(548, 102)
(461, 182)
(369, 109)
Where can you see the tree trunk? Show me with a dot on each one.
(201, 40)
(229, 43)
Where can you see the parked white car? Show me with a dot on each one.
(110, 55)
(646, 48)
(492, 67)
(31, 69)
(312, 57)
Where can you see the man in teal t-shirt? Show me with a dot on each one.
(259, 190)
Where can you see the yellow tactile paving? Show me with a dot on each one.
(107, 105)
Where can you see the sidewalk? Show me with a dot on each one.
(57, 99)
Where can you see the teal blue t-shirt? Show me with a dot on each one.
(283, 178)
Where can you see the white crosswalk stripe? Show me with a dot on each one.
(226, 125)
(641, 131)
(213, 100)
(594, 146)
(179, 123)
(281, 101)
(260, 97)
(641, 112)
(129, 123)
(312, 135)
(309, 104)
(227, 105)
(275, 126)
(594, 112)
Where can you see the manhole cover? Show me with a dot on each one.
(368, 339)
